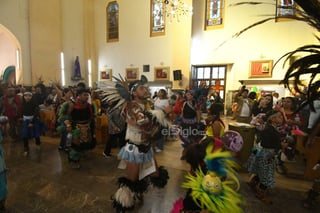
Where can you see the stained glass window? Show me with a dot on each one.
(113, 22)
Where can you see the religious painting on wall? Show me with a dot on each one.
(106, 75)
(261, 69)
(161, 73)
(132, 74)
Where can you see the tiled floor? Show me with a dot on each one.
(44, 182)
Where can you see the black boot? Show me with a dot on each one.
(312, 194)
(3, 205)
(253, 182)
(161, 180)
(261, 194)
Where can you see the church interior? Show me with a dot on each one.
(177, 45)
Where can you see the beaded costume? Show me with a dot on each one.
(143, 126)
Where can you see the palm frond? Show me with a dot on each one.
(307, 65)
(252, 26)
(312, 9)
(308, 11)
(249, 3)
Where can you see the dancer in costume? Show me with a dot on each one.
(212, 184)
(78, 119)
(62, 115)
(11, 104)
(261, 162)
(32, 126)
(3, 169)
(191, 128)
(137, 156)
(215, 126)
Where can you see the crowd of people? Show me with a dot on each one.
(279, 122)
(71, 113)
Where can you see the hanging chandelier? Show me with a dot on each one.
(174, 9)
(177, 9)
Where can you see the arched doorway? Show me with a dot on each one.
(9, 75)
(10, 54)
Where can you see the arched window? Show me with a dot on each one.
(285, 10)
(113, 22)
(214, 14)
(157, 18)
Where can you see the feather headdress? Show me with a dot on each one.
(119, 92)
(208, 190)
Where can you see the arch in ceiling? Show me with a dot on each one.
(12, 72)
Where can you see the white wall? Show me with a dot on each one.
(268, 41)
(14, 17)
(7, 53)
(136, 48)
(72, 41)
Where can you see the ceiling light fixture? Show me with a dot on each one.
(174, 9)
(177, 9)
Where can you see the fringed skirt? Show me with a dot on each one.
(130, 152)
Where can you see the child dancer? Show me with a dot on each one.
(215, 126)
(261, 162)
(32, 127)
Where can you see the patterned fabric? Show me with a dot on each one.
(261, 162)
(82, 122)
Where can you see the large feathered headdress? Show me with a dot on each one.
(118, 93)
(215, 190)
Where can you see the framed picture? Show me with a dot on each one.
(146, 68)
(161, 73)
(261, 69)
(106, 75)
(214, 17)
(132, 74)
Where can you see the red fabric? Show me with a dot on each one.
(217, 144)
(177, 206)
(10, 110)
(177, 109)
(78, 105)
